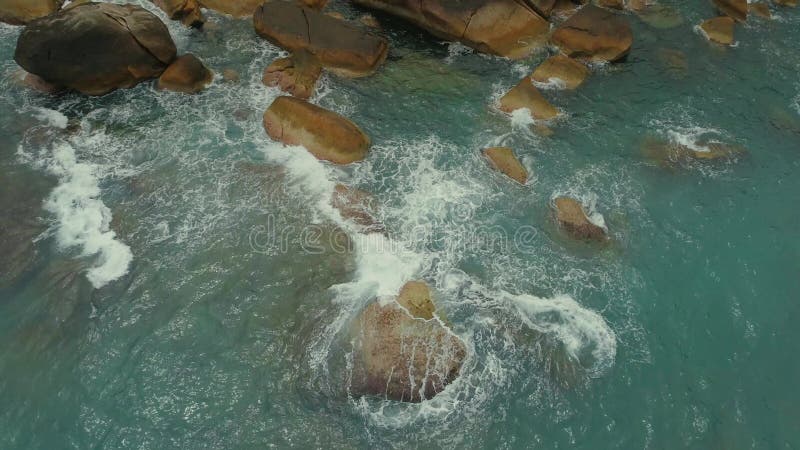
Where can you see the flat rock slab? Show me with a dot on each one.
(719, 29)
(594, 33)
(503, 159)
(327, 135)
(338, 45)
(570, 72)
(573, 219)
(525, 95)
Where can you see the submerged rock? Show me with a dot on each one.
(673, 61)
(502, 27)
(669, 153)
(559, 67)
(786, 2)
(761, 9)
(612, 4)
(504, 160)
(20, 12)
(296, 75)
(660, 16)
(401, 351)
(357, 206)
(594, 33)
(719, 30)
(573, 219)
(339, 46)
(187, 75)
(187, 11)
(525, 95)
(95, 48)
(327, 135)
(736, 9)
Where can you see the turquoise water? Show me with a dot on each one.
(212, 317)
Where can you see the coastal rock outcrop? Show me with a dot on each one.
(719, 29)
(501, 27)
(401, 351)
(296, 74)
(339, 46)
(560, 68)
(594, 33)
(187, 11)
(504, 160)
(525, 95)
(95, 48)
(736, 9)
(186, 74)
(327, 135)
(572, 218)
(20, 12)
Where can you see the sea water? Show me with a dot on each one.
(175, 279)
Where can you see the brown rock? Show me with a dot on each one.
(673, 61)
(573, 219)
(668, 153)
(187, 74)
(611, 4)
(542, 7)
(560, 67)
(187, 11)
(660, 16)
(95, 48)
(786, 2)
(594, 33)
(719, 30)
(36, 83)
(401, 356)
(230, 76)
(475, 22)
(370, 21)
(235, 8)
(20, 12)
(525, 95)
(761, 9)
(296, 74)
(338, 45)
(504, 160)
(737, 9)
(358, 207)
(335, 15)
(327, 135)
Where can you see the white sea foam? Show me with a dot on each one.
(551, 84)
(522, 118)
(51, 117)
(83, 219)
(695, 138)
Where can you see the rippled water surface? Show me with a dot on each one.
(171, 278)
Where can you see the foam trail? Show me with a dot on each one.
(690, 137)
(83, 219)
(51, 117)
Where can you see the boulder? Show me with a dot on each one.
(573, 219)
(95, 48)
(401, 351)
(187, 75)
(230, 75)
(296, 75)
(719, 30)
(370, 21)
(543, 7)
(786, 2)
(327, 135)
(594, 33)
(559, 67)
(358, 207)
(612, 4)
(525, 95)
(187, 11)
(761, 9)
(475, 23)
(503, 160)
(235, 8)
(339, 46)
(20, 12)
(736, 9)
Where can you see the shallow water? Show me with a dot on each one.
(177, 280)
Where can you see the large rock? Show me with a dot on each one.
(525, 95)
(561, 69)
(501, 27)
(503, 159)
(187, 11)
(736, 9)
(327, 135)
(20, 12)
(187, 75)
(95, 48)
(338, 45)
(573, 219)
(719, 29)
(401, 352)
(594, 33)
(296, 74)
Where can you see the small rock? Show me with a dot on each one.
(357, 206)
(611, 4)
(20, 12)
(573, 219)
(660, 16)
(230, 76)
(719, 29)
(296, 74)
(674, 61)
(504, 160)
(525, 95)
(737, 9)
(187, 75)
(327, 135)
(572, 73)
(761, 9)
(370, 21)
(594, 33)
(187, 11)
